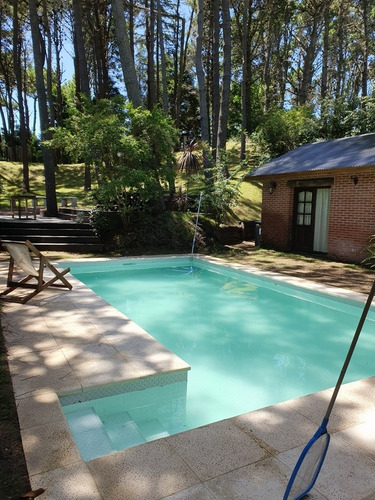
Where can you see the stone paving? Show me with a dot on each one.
(63, 342)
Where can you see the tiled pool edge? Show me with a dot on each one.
(124, 387)
(60, 469)
(337, 292)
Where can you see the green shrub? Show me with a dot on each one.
(221, 192)
(167, 231)
(105, 222)
(284, 130)
(130, 149)
(370, 260)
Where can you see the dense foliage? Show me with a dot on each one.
(131, 150)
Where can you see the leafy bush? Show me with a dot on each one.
(180, 201)
(284, 130)
(221, 191)
(370, 260)
(131, 150)
(105, 222)
(169, 230)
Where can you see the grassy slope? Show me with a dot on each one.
(250, 199)
(70, 182)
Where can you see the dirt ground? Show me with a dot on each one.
(343, 275)
(14, 480)
(13, 476)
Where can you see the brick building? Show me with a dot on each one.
(320, 198)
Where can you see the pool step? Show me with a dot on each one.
(89, 433)
(123, 431)
(95, 437)
(152, 429)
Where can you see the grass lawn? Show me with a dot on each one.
(69, 182)
(250, 196)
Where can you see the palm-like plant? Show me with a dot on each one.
(181, 201)
(189, 161)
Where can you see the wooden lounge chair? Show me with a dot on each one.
(20, 254)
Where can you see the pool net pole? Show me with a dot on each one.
(196, 223)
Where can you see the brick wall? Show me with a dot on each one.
(351, 218)
(277, 210)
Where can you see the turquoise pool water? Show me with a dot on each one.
(251, 341)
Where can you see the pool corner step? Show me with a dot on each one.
(89, 433)
(97, 436)
(123, 431)
(152, 429)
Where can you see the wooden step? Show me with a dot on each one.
(34, 231)
(52, 234)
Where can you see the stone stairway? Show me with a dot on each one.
(51, 234)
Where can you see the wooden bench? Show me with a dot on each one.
(67, 201)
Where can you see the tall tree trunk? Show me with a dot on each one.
(48, 154)
(324, 74)
(130, 9)
(150, 44)
(340, 50)
(267, 59)
(8, 100)
(126, 57)
(17, 46)
(185, 40)
(176, 51)
(98, 25)
(57, 44)
(366, 37)
(283, 51)
(164, 84)
(226, 80)
(180, 75)
(35, 100)
(82, 74)
(25, 94)
(244, 108)
(80, 53)
(308, 68)
(48, 54)
(310, 53)
(204, 123)
(4, 122)
(215, 71)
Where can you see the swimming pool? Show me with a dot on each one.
(251, 342)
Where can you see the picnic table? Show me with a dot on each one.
(19, 201)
